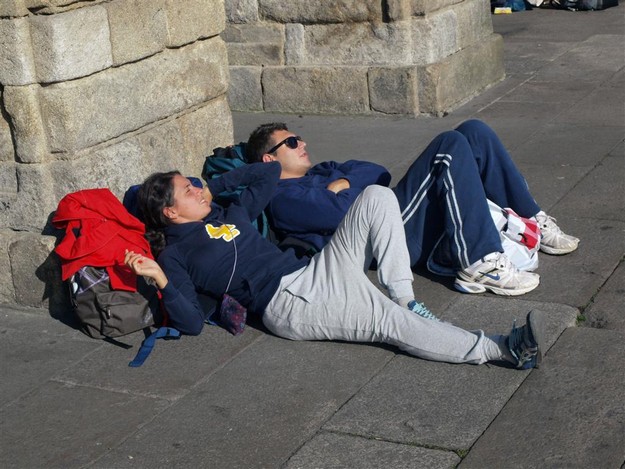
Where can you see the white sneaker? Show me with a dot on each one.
(553, 240)
(497, 274)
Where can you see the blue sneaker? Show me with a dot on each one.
(525, 343)
(421, 310)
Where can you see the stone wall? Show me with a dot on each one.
(360, 56)
(98, 94)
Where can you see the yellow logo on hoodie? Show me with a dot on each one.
(227, 232)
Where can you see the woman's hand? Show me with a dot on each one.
(145, 267)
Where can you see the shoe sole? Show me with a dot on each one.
(472, 287)
(555, 251)
(536, 321)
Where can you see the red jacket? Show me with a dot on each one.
(98, 230)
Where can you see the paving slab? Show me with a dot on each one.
(257, 411)
(607, 309)
(600, 195)
(50, 348)
(58, 425)
(173, 368)
(563, 144)
(332, 450)
(573, 279)
(439, 405)
(569, 413)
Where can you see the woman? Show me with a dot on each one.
(203, 248)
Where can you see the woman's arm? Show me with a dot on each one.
(183, 308)
(259, 181)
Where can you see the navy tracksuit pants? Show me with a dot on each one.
(443, 194)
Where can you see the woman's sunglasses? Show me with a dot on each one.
(292, 142)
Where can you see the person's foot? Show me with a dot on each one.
(496, 274)
(525, 343)
(553, 240)
(421, 310)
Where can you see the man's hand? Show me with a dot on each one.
(338, 185)
(145, 267)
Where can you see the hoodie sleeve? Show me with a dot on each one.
(259, 181)
(362, 173)
(180, 298)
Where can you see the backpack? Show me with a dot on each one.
(108, 299)
(104, 312)
(222, 160)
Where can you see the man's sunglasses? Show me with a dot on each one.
(292, 142)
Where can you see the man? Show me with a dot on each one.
(443, 199)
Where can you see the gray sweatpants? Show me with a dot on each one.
(332, 298)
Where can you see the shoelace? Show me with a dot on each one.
(422, 311)
(502, 262)
(549, 223)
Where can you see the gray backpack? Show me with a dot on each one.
(107, 313)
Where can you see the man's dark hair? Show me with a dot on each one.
(260, 141)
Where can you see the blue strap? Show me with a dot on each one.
(148, 344)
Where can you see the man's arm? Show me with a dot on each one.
(355, 173)
(300, 209)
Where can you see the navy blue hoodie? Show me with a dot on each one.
(200, 257)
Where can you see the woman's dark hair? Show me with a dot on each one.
(260, 141)
(156, 193)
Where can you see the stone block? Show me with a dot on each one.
(17, 66)
(72, 44)
(36, 271)
(340, 11)
(474, 22)
(338, 450)
(245, 92)
(394, 90)
(241, 11)
(358, 44)
(33, 204)
(305, 393)
(49, 7)
(138, 29)
(22, 105)
(12, 8)
(428, 45)
(331, 90)
(295, 45)
(116, 167)
(8, 177)
(255, 54)
(606, 309)
(473, 395)
(180, 143)
(574, 406)
(7, 152)
(201, 131)
(85, 112)
(7, 290)
(423, 7)
(446, 84)
(261, 32)
(191, 20)
(76, 431)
